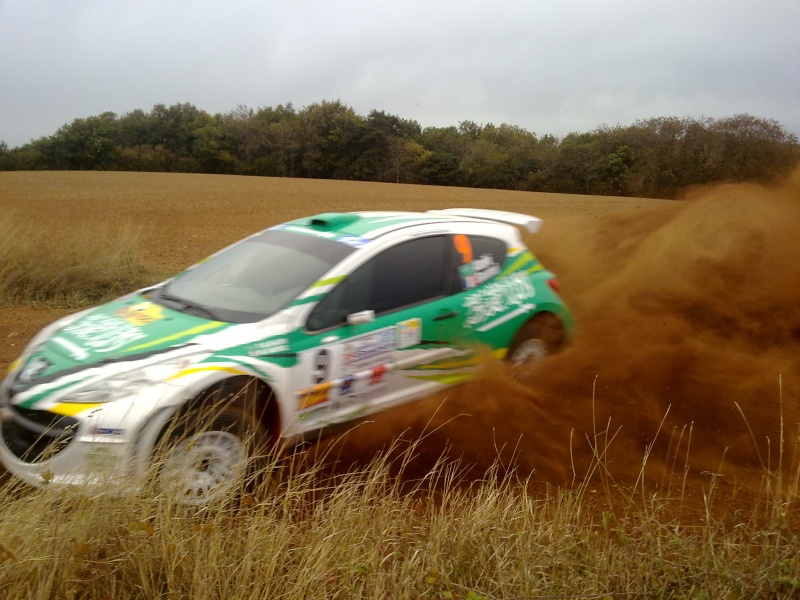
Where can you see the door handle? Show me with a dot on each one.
(447, 315)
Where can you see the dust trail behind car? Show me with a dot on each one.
(687, 352)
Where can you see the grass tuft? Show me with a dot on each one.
(90, 263)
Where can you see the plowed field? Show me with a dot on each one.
(685, 367)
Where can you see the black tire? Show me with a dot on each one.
(214, 451)
(542, 336)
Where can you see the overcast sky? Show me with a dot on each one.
(549, 66)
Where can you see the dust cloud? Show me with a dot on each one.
(686, 354)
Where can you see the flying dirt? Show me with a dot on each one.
(686, 358)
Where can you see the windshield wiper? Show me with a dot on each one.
(188, 307)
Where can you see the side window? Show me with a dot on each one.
(478, 259)
(405, 274)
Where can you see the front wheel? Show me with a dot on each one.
(542, 336)
(212, 455)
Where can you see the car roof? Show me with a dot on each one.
(371, 224)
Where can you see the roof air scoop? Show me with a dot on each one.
(332, 220)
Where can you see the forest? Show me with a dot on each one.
(658, 157)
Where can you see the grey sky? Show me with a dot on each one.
(550, 66)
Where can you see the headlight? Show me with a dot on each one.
(107, 391)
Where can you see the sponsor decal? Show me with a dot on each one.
(313, 398)
(364, 360)
(369, 355)
(266, 347)
(354, 241)
(142, 313)
(377, 375)
(75, 351)
(347, 384)
(107, 431)
(409, 333)
(474, 273)
(496, 298)
(317, 394)
(369, 351)
(104, 333)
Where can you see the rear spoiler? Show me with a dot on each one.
(531, 224)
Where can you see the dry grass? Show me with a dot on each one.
(360, 536)
(85, 264)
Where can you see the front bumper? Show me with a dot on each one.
(106, 445)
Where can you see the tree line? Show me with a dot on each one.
(658, 157)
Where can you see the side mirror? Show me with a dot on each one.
(361, 318)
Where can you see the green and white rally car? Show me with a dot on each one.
(296, 329)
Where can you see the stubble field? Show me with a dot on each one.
(683, 376)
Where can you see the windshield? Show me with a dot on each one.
(253, 279)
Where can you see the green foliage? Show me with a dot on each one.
(659, 157)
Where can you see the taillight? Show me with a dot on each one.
(554, 285)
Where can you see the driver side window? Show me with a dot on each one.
(400, 276)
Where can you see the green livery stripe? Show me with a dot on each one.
(308, 300)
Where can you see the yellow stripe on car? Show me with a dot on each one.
(331, 281)
(186, 372)
(446, 378)
(70, 409)
(180, 334)
(453, 364)
(520, 260)
(469, 361)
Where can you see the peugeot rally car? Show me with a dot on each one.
(296, 329)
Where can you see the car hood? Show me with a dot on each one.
(127, 329)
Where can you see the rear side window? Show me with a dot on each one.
(477, 259)
(400, 276)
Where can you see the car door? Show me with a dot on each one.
(368, 339)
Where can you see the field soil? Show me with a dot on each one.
(683, 375)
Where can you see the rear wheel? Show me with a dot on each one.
(214, 452)
(542, 336)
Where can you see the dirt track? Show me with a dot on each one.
(688, 328)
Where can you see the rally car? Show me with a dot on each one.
(282, 336)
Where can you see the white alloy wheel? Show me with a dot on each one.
(529, 351)
(204, 467)
(540, 337)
